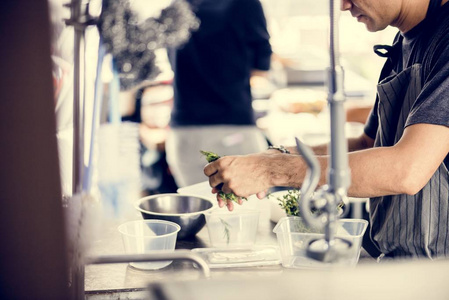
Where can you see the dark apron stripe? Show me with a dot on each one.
(392, 84)
(439, 211)
(397, 212)
(401, 228)
(384, 126)
(412, 225)
(385, 94)
(447, 220)
(430, 213)
(406, 224)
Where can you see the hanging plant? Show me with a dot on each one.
(132, 44)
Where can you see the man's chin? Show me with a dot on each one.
(371, 28)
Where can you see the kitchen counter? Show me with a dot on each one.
(113, 281)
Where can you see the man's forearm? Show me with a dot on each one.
(374, 172)
(318, 150)
(354, 144)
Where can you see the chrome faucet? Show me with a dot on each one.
(327, 198)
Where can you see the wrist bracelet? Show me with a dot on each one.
(279, 148)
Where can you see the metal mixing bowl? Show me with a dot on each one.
(187, 211)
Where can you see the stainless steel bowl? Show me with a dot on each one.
(187, 211)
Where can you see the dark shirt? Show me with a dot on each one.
(426, 44)
(414, 89)
(212, 70)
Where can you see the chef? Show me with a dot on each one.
(401, 160)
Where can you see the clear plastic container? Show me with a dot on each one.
(146, 236)
(237, 229)
(294, 237)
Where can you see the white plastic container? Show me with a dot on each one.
(146, 236)
(237, 229)
(294, 237)
(256, 256)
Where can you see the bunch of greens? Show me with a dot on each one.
(289, 202)
(210, 157)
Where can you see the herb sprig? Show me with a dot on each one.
(289, 202)
(210, 157)
(226, 232)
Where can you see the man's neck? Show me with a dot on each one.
(412, 13)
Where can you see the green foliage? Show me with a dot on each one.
(210, 157)
(289, 202)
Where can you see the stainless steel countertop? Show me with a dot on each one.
(113, 278)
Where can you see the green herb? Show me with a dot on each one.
(210, 157)
(227, 233)
(289, 202)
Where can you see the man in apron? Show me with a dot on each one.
(401, 161)
(212, 108)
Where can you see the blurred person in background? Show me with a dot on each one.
(401, 160)
(212, 97)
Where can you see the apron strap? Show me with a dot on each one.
(390, 51)
(383, 50)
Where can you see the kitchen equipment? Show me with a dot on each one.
(294, 238)
(185, 210)
(236, 229)
(146, 236)
(260, 255)
(329, 248)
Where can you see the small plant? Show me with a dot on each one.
(289, 202)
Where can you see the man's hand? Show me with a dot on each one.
(242, 175)
(230, 204)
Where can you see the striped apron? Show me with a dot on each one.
(403, 225)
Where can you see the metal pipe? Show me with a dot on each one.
(77, 271)
(338, 177)
(79, 19)
(155, 256)
(339, 173)
(75, 11)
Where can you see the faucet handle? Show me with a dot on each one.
(309, 185)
